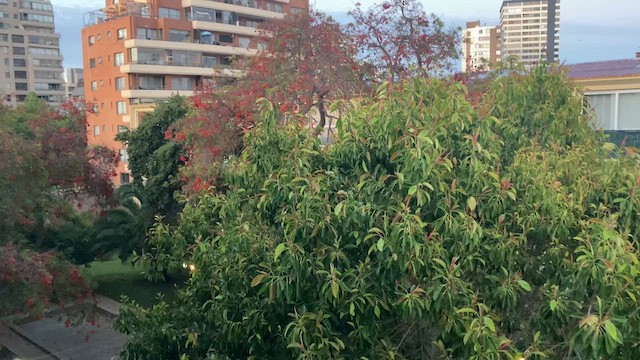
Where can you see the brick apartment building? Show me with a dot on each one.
(136, 53)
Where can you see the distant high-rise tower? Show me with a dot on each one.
(74, 83)
(480, 46)
(30, 59)
(530, 30)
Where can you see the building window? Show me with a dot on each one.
(99, 37)
(244, 42)
(121, 107)
(17, 38)
(21, 86)
(92, 63)
(209, 61)
(169, 13)
(108, 34)
(122, 34)
(148, 34)
(118, 59)
(120, 83)
(100, 60)
(179, 35)
(19, 62)
(94, 85)
(124, 178)
(18, 50)
(124, 156)
(101, 83)
(96, 130)
(226, 38)
(122, 129)
(92, 40)
(625, 105)
(275, 7)
(181, 83)
(629, 111)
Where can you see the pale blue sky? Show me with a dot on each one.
(590, 30)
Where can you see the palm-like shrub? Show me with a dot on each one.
(122, 230)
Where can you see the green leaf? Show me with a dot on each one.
(413, 189)
(380, 244)
(338, 209)
(257, 280)
(376, 310)
(553, 304)
(612, 331)
(352, 309)
(335, 289)
(279, 249)
(489, 323)
(471, 203)
(525, 285)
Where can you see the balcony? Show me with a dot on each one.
(196, 47)
(154, 94)
(232, 8)
(154, 69)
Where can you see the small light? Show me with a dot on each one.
(184, 265)
(192, 267)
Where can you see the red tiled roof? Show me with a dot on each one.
(611, 68)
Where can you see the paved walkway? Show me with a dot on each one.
(50, 338)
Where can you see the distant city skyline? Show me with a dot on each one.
(590, 30)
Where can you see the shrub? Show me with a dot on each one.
(433, 227)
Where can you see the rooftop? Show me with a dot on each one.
(610, 68)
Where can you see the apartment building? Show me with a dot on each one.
(30, 59)
(524, 30)
(480, 46)
(138, 52)
(73, 83)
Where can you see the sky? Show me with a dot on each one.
(590, 30)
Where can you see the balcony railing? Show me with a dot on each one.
(115, 12)
(203, 64)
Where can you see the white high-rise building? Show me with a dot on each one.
(480, 46)
(30, 59)
(524, 30)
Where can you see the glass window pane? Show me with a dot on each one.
(629, 111)
(603, 108)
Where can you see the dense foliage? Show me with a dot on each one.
(52, 188)
(31, 282)
(48, 173)
(155, 159)
(306, 61)
(434, 227)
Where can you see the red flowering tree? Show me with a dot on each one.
(306, 61)
(48, 169)
(30, 282)
(398, 39)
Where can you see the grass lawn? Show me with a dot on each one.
(113, 279)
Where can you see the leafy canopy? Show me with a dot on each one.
(432, 228)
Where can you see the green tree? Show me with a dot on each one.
(433, 227)
(154, 158)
